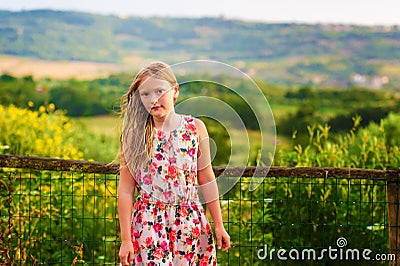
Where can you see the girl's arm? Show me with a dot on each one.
(208, 185)
(126, 190)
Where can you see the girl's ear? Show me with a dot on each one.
(176, 93)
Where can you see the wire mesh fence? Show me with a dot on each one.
(59, 218)
(305, 213)
(63, 217)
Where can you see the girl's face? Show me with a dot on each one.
(158, 96)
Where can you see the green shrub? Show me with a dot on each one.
(373, 147)
(46, 133)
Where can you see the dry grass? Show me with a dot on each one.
(20, 66)
(103, 124)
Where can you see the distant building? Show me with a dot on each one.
(374, 82)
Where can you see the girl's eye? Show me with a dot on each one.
(145, 94)
(160, 91)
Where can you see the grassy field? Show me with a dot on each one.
(22, 66)
(279, 110)
(103, 125)
(103, 145)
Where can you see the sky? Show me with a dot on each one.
(361, 12)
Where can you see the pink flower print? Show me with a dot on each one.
(191, 178)
(177, 222)
(196, 221)
(132, 231)
(195, 232)
(164, 245)
(135, 246)
(160, 205)
(172, 171)
(204, 261)
(158, 253)
(149, 241)
(208, 228)
(194, 205)
(157, 227)
(145, 200)
(155, 212)
(137, 205)
(171, 246)
(176, 183)
(160, 135)
(172, 160)
(183, 211)
(185, 137)
(167, 194)
(147, 180)
(185, 167)
(189, 241)
(159, 156)
(139, 219)
(165, 147)
(191, 152)
(191, 128)
(189, 256)
(188, 118)
(136, 234)
(153, 168)
(172, 235)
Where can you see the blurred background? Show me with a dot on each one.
(329, 70)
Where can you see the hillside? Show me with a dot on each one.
(325, 55)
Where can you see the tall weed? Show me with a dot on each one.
(374, 147)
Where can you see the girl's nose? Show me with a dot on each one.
(154, 100)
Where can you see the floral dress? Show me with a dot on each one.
(169, 224)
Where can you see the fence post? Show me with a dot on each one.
(393, 192)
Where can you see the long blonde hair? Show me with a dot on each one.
(138, 125)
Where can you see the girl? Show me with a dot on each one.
(166, 156)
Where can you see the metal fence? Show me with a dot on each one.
(61, 212)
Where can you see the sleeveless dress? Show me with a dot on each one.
(169, 224)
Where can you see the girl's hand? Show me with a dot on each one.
(223, 239)
(126, 253)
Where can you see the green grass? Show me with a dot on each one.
(281, 110)
(104, 124)
(103, 144)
